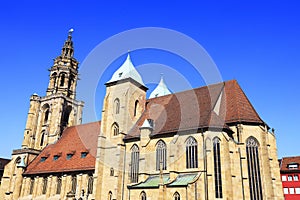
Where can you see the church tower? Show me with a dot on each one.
(48, 116)
(124, 101)
(123, 105)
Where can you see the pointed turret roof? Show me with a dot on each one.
(68, 49)
(160, 90)
(127, 70)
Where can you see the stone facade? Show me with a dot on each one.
(205, 143)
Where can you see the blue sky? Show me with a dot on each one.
(255, 42)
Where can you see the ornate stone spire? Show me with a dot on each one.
(68, 50)
(160, 90)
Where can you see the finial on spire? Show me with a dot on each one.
(71, 31)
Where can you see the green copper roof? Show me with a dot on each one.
(152, 182)
(184, 179)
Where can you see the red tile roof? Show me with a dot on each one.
(285, 161)
(194, 109)
(3, 162)
(74, 140)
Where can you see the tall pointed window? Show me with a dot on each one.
(58, 186)
(217, 168)
(161, 155)
(45, 183)
(62, 79)
(115, 129)
(143, 196)
(90, 184)
(109, 195)
(74, 184)
(31, 185)
(191, 153)
(42, 138)
(254, 169)
(134, 171)
(176, 196)
(136, 107)
(117, 106)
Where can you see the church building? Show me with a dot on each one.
(200, 144)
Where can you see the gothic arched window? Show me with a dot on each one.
(191, 153)
(253, 169)
(74, 184)
(66, 116)
(176, 196)
(109, 195)
(117, 106)
(31, 185)
(62, 79)
(115, 129)
(136, 107)
(90, 184)
(58, 186)
(217, 168)
(112, 172)
(53, 77)
(46, 116)
(46, 111)
(143, 196)
(45, 183)
(42, 138)
(134, 170)
(161, 155)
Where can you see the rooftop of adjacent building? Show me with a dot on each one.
(290, 164)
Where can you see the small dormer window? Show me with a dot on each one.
(83, 154)
(120, 74)
(293, 166)
(55, 157)
(43, 159)
(69, 156)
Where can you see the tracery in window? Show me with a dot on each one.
(254, 169)
(161, 155)
(191, 153)
(115, 129)
(134, 170)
